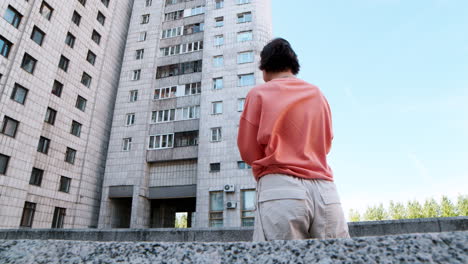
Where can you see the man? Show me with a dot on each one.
(285, 134)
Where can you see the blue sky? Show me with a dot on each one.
(396, 76)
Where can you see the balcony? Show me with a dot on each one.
(178, 153)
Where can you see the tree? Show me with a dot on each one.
(462, 205)
(354, 215)
(397, 211)
(181, 222)
(414, 210)
(447, 209)
(375, 213)
(431, 208)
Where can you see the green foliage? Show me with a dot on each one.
(181, 222)
(462, 205)
(375, 213)
(447, 209)
(396, 211)
(431, 208)
(354, 215)
(414, 210)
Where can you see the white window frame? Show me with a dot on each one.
(127, 144)
(188, 113)
(133, 96)
(245, 57)
(244, 17)
(158, 145)
(130, 119)
(136, 74)
(241, 36)
(240, 104)
(216, 134)
(145, 18)
(219, 21)
(172, 32)
(216, 85)
(169, 92)
(218, 40)
(217, 108)
(243, 2)
(163, 116)
(139, 54)
(241, 83)
(193, 87)
(142, 36)
(218, 61)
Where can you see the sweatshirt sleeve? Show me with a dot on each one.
(249, 148)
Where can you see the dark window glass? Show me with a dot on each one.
(86, 79)
(4, 159)
(76, 128)
(59, 217)
(5, 47)
(36, 177)
(96, 37)
(105, 2)
(76, 18)
(29, 63)
(37, 35)
(81, 103)
(13, 16)
(57, 88)
(214, 167)
(83, 2)
(9, 126)
(46, 10)
(43, 145)
(70, 155)
(28, 214)
(64, 184)
(63, 63)
(70, 40)
(19, 94)
(101, 18)
(50, 116)
(91, 57)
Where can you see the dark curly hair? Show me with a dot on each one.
(278, 56)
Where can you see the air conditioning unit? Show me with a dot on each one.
(229, 188)
(231, 205)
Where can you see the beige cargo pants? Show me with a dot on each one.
(293, 208)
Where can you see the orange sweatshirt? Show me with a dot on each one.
(286, 128)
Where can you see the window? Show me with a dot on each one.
(219, 40)
(50, 116)
(145, 19)
(101, 18)
(215, 167)
(182, 48)
(197, 10)
(59, 217)
(215, 134)
(216, 208)
(4, 159)
(105, 2)
(240, 104)
(139, 54)
(244, 36)
(70, 155)
(247, 207)
(127, 144)
(75, 128)
(70, 40)
(142, 36)
(219, 4)
(241, 2)
(193, 88)
(29, 63)
(83, 2)
(76, 18)
(246, 79)
(171, 32)
(19, 94)
(174, 15)
(36, 177)
(163, 93)
(80, 103)
(28, 214)
(148, 3)
(133, 95)
(130, 119)
(187, 113)
(64, 184)
(219, 21)
(63, 63)
(37, 35)
(91, 57)
(12, 16)
(57, 88)
(218, 61)
(136, 75)
(161, 141)
(163, 116)
(46, 10)
(5, 47)
(43, 145)
(9, 126)
(218, 83)
(184, 139)
(244, 17)
(178, 69)
(217, 108)
(96, 37)
(245, 57)
(86, 79)
(194, 28)
(242, 165)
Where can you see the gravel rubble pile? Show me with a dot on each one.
(411, 248)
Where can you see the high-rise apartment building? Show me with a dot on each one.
(187, 68)
(59, 70)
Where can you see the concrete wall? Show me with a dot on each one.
(359, 229)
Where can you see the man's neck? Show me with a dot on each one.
(278, 75)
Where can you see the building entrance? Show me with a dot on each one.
(164, 211)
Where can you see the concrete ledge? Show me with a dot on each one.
(357, 229)
(414, 248)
